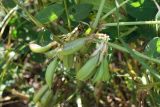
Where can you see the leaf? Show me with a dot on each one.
(158, 45)
(40, 58)
(80, 11)
(44, 37)
(137, 3)
(8, 3)
(109, 4)
(153, 47)
(157, 18)
(157, 15)
(50, 13)
(146, 11)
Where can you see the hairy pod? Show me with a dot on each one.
(51, 53)
(73, 46)
(68, 61)
(87, 70)
(106, 74)
(78, 64)
(39, 49)
(46, 98)
(40, 93)
(98, 75)
(51, 69)
(102, 73)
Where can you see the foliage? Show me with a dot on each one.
(80, 52)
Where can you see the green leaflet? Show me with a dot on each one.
(50, 13)
(158, 45)
(40, 93)
(46, 99)
(50, 72)
(87, 70)
(73, 46)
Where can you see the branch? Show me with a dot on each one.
(5, 21)
(118, 47)
(132, 23)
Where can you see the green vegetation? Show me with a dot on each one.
(79, 53)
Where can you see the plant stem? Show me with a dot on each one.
(157, 5)
(34, 20)
(117, 11)
(66, 10)
(129, 31)
(114, 9)
(98, 14)
(40, 4)
(132, 23)
(5, 21)
(118, 47)
(8, 16)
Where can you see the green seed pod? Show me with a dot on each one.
(40, 93)
(68, 61)
(52, 53)
(55, 99)
(51, 69)
(106, 74)
(46, 98)
(73, 46)
(98, 75)
(78, 64)
(39, 49)
(87, 70)
(102, 73)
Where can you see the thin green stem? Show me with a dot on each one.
(117, 11)
(2, 7)
(120, 48)
(98, 14)
(114, 9)
(5, 21)
(157, 5)
(76, 1)
(132, 23)
(129, 31)
(66, 10)
(34, 20)
(40, 4)
(8, 16)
